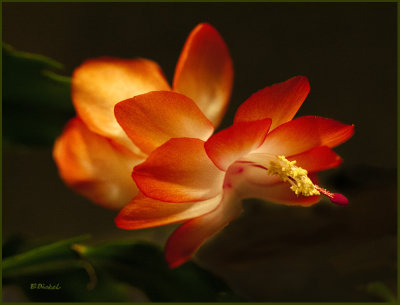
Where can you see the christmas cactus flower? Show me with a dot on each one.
(264, 154)
(94, 155)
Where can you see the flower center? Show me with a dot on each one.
(296, 176)
(300, 182)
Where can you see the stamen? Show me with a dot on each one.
(300, 182)
(296, 176)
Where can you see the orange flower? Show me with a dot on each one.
(94, 155)
(264, 154)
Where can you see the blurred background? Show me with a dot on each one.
(271, 252)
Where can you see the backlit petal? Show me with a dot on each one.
(316, 159)
(179, 171)
(153, 118)
(232, 143)
(184, 242)
(98, 84)
(204, 72)
(279, 102)
(144, 212)
(94, 166)
(305, 133)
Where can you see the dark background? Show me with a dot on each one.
(271, 253)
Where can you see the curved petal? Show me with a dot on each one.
(185, 241)
(277, 193)
(98, 84)
(316, 159)
(305, 133)
(153, 118)
(94, 167)
(228, 145)
(279, 102)
(179, 171)
(204, 72)
(144, 212)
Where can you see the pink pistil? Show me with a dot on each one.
(337, 198)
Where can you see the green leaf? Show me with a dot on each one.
(36, 100)
(380, 291)
(110, 272)
(143, 265)
(29, 78)
(42, 258)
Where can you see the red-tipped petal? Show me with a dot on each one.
(143, 212)
(304, 133)
(316, 159)
(179, 171)
(279, 102)
(185, 241)
(232, 143)
(98, 84)
(94, 167)
(153, 118)
(204, 72)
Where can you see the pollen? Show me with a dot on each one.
(295, 175)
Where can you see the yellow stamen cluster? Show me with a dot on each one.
(296, 176)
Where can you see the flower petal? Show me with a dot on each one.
(230, 144)
(204, 72)
(144, 212)
(153, 118)
(94, 166)
(278, 193)
(316, 159)
(98, 84)
(184, 242)
(305, 133)
(279, 102)
(179, 171)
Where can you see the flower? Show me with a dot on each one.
(264, 154)
(94, 155)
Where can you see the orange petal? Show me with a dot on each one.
(94, 167)
(179, 171)
(279, 102)
(305, 133)
(144, 212)
(204, 72)
(316, 159)
(153, 118)
(185, 241)
(278, 193)
(232, 143)
(98, 84)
